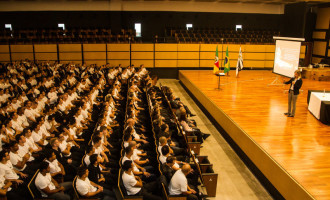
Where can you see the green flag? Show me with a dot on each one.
(226, 62)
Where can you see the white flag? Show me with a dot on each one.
(239, 65)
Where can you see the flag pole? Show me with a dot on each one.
(221, 62)
(239, 63)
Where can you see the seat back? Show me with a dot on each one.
(121, 186)
(35, 193)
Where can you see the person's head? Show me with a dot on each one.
(44, 167)
(128, 151)
(82, 172)
(94, 159)
(27, 132)
(20, 138)
(13, 146)
(127, 165)
(297, 74)
(162, 140)
(97, 141)
(186, 169)
(132, 144)
(4, 155)
(165, 150)
(50, 155)
(170, 160)
(90, 150)
(127, 136)
(54, 142)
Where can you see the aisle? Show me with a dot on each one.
(235, 181)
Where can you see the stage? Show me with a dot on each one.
(292, 153)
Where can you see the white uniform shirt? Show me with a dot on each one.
(8, 170)
(54, 166)
(178, 183)
(42, 182)
(84, 187)
(129, 182)
(15, 158)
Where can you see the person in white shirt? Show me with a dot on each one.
(56, 168)
(134, 184)
(9, 172)
(87, 188)
(179, 184)
(48, 187)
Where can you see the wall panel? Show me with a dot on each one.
(188, 55)
(146, 63)
(21, 56)
(70, 56)
(142, 47)
(166, 63)
(95, 55)
(22, 48)
(166, 55)
(45, 48)
(4, 48)
(319, 48)
(46, 56)
(98, 62)
(94, 47)
(166, 47)
(69, 47)
(188, 63)
(142, 55)
(188, 47)
(4, 57)
(118, 47)
(118, 55)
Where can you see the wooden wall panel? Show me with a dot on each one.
(166, 63)
(142, 55)
(46, 56)
(70, 56)
(188, 63)
(188, 55)
(45, 48)
(118, 55)
(253, 64)
(211, 47)
(146, 63)
(316, 60)
(207, 63)
(323, 17)
(4, 48)
(269, 48)
(231, 48)
(114, 63)
(188, 47)
(95, 55)
(268, 56)
(253, 56)
(21, 48)
(142, 47)
(98, 62)
(319, 48)
(21, 56)
(166, 55)
(118, 47)
(4, 57)
(255, 48)
(69, 47)
(319, 34)
(94, 47)
(166, 47)
(209, 55)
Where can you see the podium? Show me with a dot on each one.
(219, 74)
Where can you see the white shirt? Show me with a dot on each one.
(129, 182)
(86, 160)
(42, 182)
(15, 158)
(134, 166)
(178, 183)
(54, 167)
(22, 150)
(9, 170)
(84, 187)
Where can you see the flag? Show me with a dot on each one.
(216, 61)
(239, 65)
(226, 62)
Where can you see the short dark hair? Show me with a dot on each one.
(170, 159)
(18, 137)
(43, 165)
(128, 150)
(127, 136)
(81, 171)
(93, 158)
(12, 144)
(89, 148)
(165, 150)
(3, 154)
(48, 154)
(96, 139)
(126, 165)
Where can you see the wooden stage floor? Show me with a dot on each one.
(299, 145)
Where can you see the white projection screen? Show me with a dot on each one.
(286, 57)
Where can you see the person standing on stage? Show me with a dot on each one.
(296, 83)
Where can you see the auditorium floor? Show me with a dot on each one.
(235, 181)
